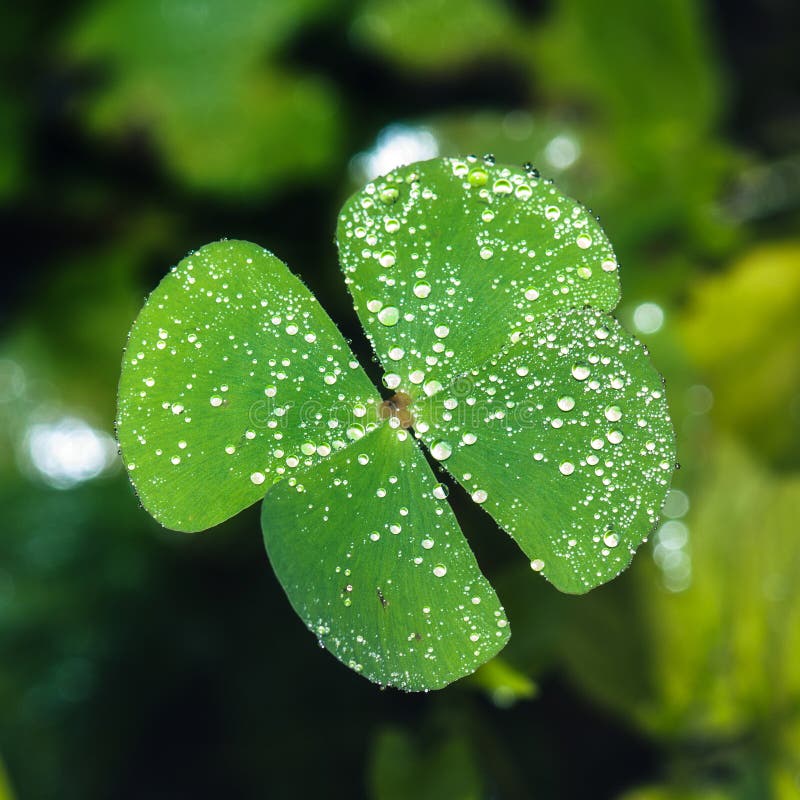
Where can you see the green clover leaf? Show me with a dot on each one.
(485, 293)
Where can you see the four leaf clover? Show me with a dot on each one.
(486, 295)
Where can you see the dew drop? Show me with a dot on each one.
(566, 403)
(422, 289)
(355, 432)
(440, 570)
(566, 468)
(580, 372)
(537, 565)
(441, 450)
(610, 539)
(388, 316)
(479, 496)
(531, 294)
(431, 387)
(258, 478)
(478, 177)
(440, 491)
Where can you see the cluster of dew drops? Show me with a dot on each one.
(345, 421)
(594, 373)
(369, 239)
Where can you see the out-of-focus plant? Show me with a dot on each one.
(203, 81)
(742, 331)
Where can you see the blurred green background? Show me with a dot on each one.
(140, 663)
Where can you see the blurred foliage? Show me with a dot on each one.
(11, 168)
(436, 35)
(721, 683)
(662, 144)
(143, 664)
(502, 682)
(5, 789)
(443, 767)
(203, 80)
(749, 316)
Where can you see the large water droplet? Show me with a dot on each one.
(422, 289)
(566, 403)
(441, 450)
(580, 372)
(531, 294)
(610, 539)
(388, 316)
(440, 491)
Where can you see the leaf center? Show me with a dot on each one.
(398, 406)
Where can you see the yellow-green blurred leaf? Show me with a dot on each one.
(504, 683)
(742, 330)
(726, 649)
(5, 786)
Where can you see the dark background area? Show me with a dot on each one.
(140, 663)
